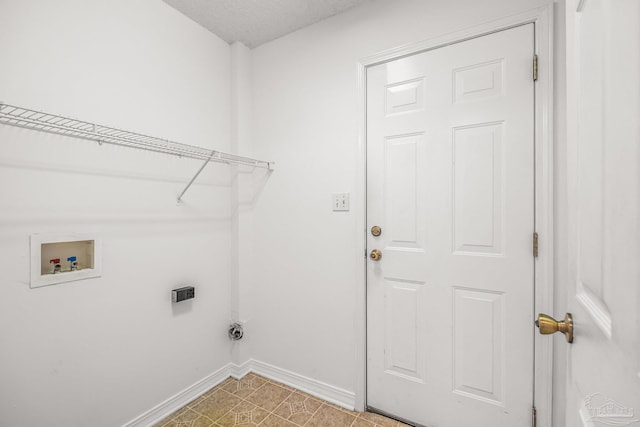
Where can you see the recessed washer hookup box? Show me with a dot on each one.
(64, 257)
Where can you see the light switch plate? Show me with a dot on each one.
(340, 201)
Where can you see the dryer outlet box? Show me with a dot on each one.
(182, 294)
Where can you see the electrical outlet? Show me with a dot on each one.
(340, 201)
(182, 294)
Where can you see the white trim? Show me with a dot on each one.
(181, 398)
(239, 371)
(360, 205)
(500, 24)
(544, 283)
(543, 19)
(324, 391)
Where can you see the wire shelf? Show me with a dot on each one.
(51, 123)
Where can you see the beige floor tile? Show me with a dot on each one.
(197, 400)
(328, 416)
(200, 421)
(222, 384)
(212, 390)
(217, 404)
(282, 385)
(185, 415)
(228, 380)
(245, 414)
(245, 386)
(257, 401)
(298, 408)
(269, 396)
(275, 421)
(252, 375)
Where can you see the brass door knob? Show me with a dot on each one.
(549, 325)
(375, 255)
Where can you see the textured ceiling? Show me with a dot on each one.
(254, 22)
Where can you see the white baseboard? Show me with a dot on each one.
(324, 391)
(180, 399)
(239, 371)
(319, 389)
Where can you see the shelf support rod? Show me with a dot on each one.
(213, 153)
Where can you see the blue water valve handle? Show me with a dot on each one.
(71, 259)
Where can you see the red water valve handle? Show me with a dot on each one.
(54, 261)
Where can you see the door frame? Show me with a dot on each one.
(542, 18)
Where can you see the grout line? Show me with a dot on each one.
(290, 390)
(314, 413)
(277, 416)
(267, 381)
(221, 416)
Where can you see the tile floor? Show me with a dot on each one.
(254, 400)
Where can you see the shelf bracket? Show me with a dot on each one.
(213, 154)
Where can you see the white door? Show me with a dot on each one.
(450, 181)
(603, 157)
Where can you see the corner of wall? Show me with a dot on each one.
(241, 179)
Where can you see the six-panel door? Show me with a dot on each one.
(450, 180)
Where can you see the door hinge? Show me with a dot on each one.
(533, 416)
(535, 68)
(535, 245)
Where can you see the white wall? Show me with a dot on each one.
(247, 184)
(102, 351)
(305, 118)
